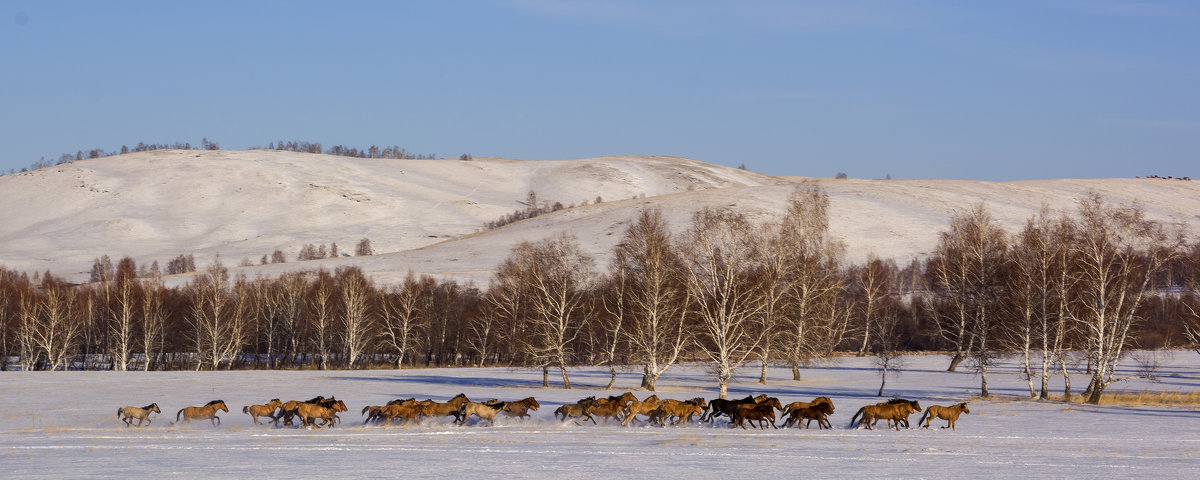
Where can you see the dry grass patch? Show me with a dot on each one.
(1125, 399)
(1135, 399)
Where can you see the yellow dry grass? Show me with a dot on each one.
(1135, 399)
(1124, 399)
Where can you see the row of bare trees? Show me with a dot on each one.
(720, 290)
(392, 152)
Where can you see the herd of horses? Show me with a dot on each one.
(756, 411)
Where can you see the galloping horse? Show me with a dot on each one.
(309, 412)
(760, 412)
(479, 410)
(639, 407)
(575, 410)
(207, 412)
(787, 409)
(949, 414)
(264, 410)
(721, 406)
(817, 411)
(130, 413)
(896, 410)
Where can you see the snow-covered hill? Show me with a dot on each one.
(427, 215)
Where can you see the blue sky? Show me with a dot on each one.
(913, 89)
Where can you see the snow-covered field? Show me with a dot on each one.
(63, 425)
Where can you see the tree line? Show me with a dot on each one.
(392, 152)
(1068, 289)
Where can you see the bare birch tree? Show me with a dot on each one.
(321, 306)
(552, 277)
(810, 276)
(1040, 259)
(55, 328)
(356, 318)
(154, 319)
(967, 274)
(122, 313)
(720, 253)
(653, 295)
(402, 307)
(1191, 302)
(1119, 253)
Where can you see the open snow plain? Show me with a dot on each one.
(63, 425)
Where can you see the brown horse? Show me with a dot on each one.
(310, 412)
(582, 409)
(639, 407)
(374, 411)
(682, 412)
(436, 409)
(762, 413)
(264, 410)
(477, 409)
(410, 410)
(529, 403)
(127, 414)
(607, 410)
(515, 409)
(288, 410)
(207, 412)
(620, 400)
(291, 408)
(896, 410)
(657, 416)
(949, 414)
(787, 409)
(819, 411)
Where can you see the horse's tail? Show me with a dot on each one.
(923, 416)
(179, 413)
(119, 412)
(855, 417)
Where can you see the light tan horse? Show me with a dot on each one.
(207, 412)
(264, 410)
(479, 410)
(680, 411)
(949, 414)
(639, 407)
(127, 414)
(310, 412)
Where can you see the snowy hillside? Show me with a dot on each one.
(427, 215)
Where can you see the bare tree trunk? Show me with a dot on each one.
(882, 381)
(1062, 361)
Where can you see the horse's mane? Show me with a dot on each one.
(147, 407)
(214, 402)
